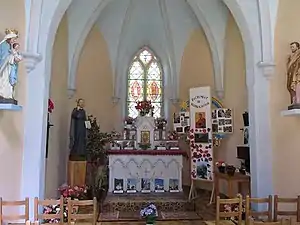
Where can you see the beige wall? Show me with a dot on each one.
(57, 151)
(285, 130)
(94, 81)
(11, 123)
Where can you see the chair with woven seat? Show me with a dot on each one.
(45, 203)
(278, 201)
(230, 202)
(257, 214)
(14, 217)
(82, 216)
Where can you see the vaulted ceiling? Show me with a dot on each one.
(163, 25)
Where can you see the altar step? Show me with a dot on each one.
(167, 202)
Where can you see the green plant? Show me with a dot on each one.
(144, 146)
(97, 158)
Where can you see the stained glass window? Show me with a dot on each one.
(145, 82)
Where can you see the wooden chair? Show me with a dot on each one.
(223, 214)
(281, 222)
(14, 217)
(47, 202)
(78, 203)
(250, 213)
(278, 212)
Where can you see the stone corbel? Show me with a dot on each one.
(71, 92)
(31, 60)
(115, 99)
(268, 68)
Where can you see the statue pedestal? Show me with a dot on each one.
(76, 172)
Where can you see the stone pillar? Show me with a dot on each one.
(260, 131)
(35, 127)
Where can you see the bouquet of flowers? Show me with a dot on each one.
(129, 120)
(76, 192)
(221, 166)
(149, 213)
(144, 107)
(235, 208)
(55, 209)
(50, 106)
(173, 135)
(160, 122)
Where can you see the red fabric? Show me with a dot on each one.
(146, 152)
(50, 106)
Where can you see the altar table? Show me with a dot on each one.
(145, 164)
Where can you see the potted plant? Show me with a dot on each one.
(230, 169)
(149, 213)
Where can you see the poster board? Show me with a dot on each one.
(201, 134)
(222, 121)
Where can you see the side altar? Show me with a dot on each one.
(145, 158)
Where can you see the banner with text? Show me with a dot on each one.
(201, 134)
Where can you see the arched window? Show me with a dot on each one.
(145, 81)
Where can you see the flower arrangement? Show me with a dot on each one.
(144, 107)
(55, 209)
(173, 135)
(221, 166)
(234, 208)
(160, 123)
(149, 213)
(75, 192)
(50, 106)
(129, 120)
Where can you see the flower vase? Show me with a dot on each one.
(230, 170)
(221, 169)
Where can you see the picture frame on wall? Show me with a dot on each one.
(159, 185)
(118, 186)
(145, 185)
(131, 185)
(173, 185)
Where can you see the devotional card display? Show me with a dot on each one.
(222, 121)
(145, 185)
(159, 185)
(131, 185)
(201, 134)
(118, 185)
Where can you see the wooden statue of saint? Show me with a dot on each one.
(78, 131)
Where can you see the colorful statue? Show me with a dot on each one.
(293, 74)
(9, 60)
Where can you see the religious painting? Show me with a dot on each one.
(159, 185)
(200, 120)
(173, 185)
(118, 185)
(131, 185)
(145, 185)
(145, 137)
(203, 169)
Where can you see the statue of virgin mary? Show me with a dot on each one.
(9, 59)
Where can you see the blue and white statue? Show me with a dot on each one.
(9, 60)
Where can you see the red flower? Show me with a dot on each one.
(50, 106)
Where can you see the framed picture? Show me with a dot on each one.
(145, 185)
(200, 120)
(145, 137)
(201, 138)
(159, 185)
(118, 185)
(173, 185)
(131, 185)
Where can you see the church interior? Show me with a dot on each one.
(149, 112)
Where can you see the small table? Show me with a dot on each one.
(238, 179)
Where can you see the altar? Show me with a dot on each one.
(145, 171)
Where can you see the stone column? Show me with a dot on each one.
(35, 127)
(260, 131)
